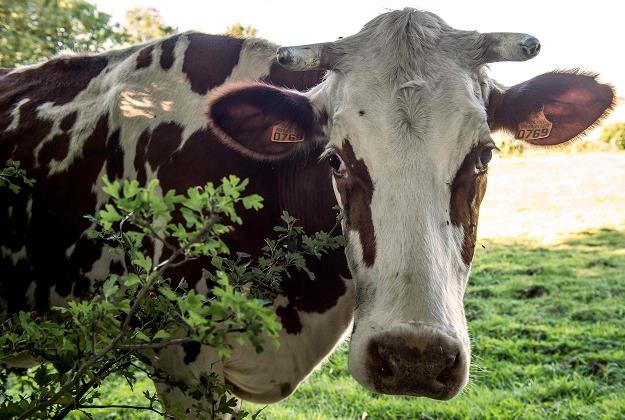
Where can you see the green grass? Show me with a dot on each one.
(548, 332)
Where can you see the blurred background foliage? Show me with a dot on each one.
(614, 135)
(31, 30)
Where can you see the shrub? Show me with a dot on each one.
(87, 341)
(614, 134)
(510, 147)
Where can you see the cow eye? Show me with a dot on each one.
(335, 163)
(485, 156)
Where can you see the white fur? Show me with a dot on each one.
(15, 114)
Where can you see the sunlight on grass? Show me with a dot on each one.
(546, 196)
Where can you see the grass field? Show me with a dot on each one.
(548, 336)
(545, 304)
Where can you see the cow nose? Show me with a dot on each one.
(531, 47)
(430, 365)
(284, 56)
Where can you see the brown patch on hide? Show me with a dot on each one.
(467, 192)
(299, 80)
(167, 52)
(144, 58)
(289, 319)
(204, 68)
(59, 81)
(68, 121)
(164, 140)
(55, 149)
(114, 156)
(356, 191)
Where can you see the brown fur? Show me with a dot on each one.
(467, 192)
(356, 190)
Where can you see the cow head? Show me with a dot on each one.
(406, 111)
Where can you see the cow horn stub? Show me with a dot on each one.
(508, 46)
(307, 57)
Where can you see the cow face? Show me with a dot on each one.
(406, 111)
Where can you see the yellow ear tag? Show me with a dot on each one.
(536, 127)
(283, 133)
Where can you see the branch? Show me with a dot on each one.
(158, 345)
(86, 387)
(134, 407)
(70, 383)
(160, 238)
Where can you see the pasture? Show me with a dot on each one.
(545, 305)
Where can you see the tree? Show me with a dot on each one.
(614, 134)
(239, 31)
(143, 24)
(33, 29)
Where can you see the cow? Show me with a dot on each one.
(392, 123)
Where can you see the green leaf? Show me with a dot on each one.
(110, 287)
(253, 201)
(142, 261)
(168, 293)
(161, 335)
(140, 335)
(130, 280)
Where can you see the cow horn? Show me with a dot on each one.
(508, 46)
(307, 57)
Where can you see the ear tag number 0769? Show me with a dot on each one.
(281, 133)
(536, 127)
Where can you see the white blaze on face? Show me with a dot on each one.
(399, 136)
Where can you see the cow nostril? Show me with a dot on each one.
(449, 372)
(380, 361)
(531, 47)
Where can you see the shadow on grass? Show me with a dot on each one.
(548, 336)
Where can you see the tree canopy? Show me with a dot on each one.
(239, 31)
(143, 24)
(31, 30)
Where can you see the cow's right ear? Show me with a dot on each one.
(260, 121)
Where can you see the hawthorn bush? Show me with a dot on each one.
(78, 346)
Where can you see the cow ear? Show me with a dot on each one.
(261, 121)
(552, 108)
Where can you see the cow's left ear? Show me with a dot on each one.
(552, 108)
(260, 121)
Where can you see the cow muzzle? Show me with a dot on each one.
(430, 364)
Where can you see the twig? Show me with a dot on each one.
(160, 344)
(134, 407)
(86, 387)
(113, 344)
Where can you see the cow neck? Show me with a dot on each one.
(304, 189)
